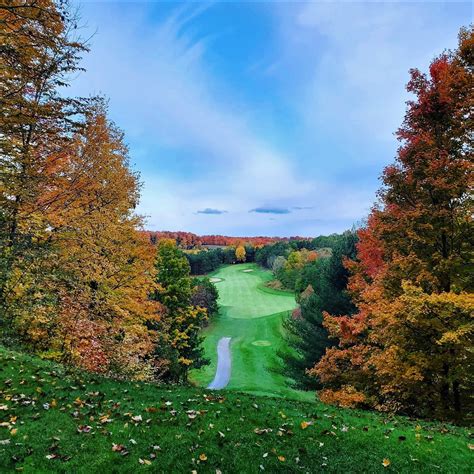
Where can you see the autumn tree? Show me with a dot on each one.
(240, 253)
(108, 265)
(408, 348)
(37, 56)
(180, 342)
(205, 295)
(75, 273)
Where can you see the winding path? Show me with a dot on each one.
(222, 377)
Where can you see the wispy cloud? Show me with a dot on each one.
(209, 210)
(203, 133)
(185, 110)
(270, 210)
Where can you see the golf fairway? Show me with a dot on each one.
(251, 315)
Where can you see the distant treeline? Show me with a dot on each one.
(188, 240)
(204, 261)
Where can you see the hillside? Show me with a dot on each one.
(52, 420)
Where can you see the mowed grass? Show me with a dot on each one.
(252, 316)
(242, 296)
(52, 420)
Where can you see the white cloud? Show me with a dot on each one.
(360, 54)
(172, 99)
(344, 68)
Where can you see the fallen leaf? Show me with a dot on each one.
(281, 458)
(84, 429)
(261, 431)
(202, 457)
(305, 424)
(386, 462)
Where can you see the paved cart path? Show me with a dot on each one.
(222, 377)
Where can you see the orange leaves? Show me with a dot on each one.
(406, 347)
(347, 397)
(305, 424)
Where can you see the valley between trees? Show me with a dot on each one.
(351, 352)
(252, 315)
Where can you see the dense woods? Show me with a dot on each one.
(76, 270)
(408, 347)
(188, 240)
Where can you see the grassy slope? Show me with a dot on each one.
(248, 313)
(221, 427)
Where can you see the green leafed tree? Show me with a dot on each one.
(179, 340)
(325, 283)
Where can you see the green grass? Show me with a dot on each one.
(55, 421)
(250, 312)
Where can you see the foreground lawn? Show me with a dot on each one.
(252, 316)
(52, 421)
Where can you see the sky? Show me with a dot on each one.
(260, 118)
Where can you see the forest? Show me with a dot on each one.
(376, 319)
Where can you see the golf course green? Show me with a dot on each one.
(252, 316)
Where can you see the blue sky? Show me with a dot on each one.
(260, 118)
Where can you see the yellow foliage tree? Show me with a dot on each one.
(240, 253)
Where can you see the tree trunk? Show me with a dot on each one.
(457, 396)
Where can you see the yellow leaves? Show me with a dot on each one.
(281, 458)
(240, 253)
(13, 431)
(146, 462)
(78, 402)
(202, 457)
(184, 361)
(305, 424)
(386, 462)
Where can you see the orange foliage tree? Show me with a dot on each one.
(409, 347)
(75, 273)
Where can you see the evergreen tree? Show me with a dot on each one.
(306, 335)
(179, 340)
